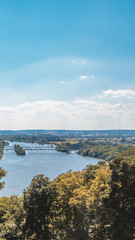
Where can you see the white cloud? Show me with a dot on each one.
(78, 114)
(127, 93)
(63, 82)
(83, 77)
(78, 61)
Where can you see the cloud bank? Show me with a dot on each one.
(78, 114)
(127, 93)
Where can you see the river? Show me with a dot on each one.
(21, 169)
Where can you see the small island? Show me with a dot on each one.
(19, 150)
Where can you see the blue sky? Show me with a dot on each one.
(67, 64)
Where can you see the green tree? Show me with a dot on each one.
(68, 221)
(11, 218)
(37, 205)
(116, 219)
(2, 174)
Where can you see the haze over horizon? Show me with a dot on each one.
(67, 64)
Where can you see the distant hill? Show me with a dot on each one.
(72, 133)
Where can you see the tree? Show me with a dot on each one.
(68, 221)
(37, 204)
(11, 218)
(2, 171)
(116, 217)
(2, 174)
(89, 197)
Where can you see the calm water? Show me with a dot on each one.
(21, 169)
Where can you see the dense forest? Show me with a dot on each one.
(97, 203)
(105, 149)
(39, 138)
(106, 152)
